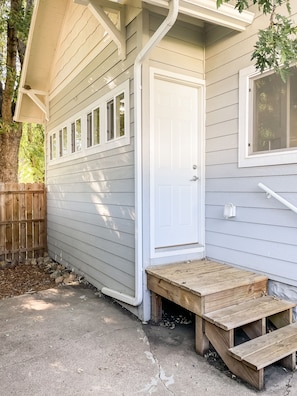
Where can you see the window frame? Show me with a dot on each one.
(92, 133)
(76, 135)
(86, 115)
(63, 144)
(53, 146)
(246, 159)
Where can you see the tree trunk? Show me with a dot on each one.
(9, 152)
(10, 132)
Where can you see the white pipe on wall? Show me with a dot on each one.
(159, 34)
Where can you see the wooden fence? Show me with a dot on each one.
(22, 221)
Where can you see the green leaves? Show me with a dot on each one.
(31, 154)
(276, 47)
(266, 6)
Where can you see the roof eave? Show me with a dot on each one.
(206, 10)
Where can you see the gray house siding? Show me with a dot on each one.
(262, 236)
(91, 198)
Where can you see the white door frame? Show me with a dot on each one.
(200, 84)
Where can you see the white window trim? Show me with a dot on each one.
(245, 159)
(104, 144)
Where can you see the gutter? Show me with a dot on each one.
(159, 34)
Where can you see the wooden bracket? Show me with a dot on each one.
(117, 35)
(32, 93)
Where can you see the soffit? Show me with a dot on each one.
(206, 10)
(46, 24)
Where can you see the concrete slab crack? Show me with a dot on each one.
(160, 377)
(289, 386)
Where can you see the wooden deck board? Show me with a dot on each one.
(204, 277)
(240, 314)
(267, 349)
(183, 272)
(238, 294)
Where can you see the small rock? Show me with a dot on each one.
(14, 263)
(33, 261)
(69, 278)
(2, 264)
(47, 260)
(59, 279)
(56, 274)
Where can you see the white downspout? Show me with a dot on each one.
(165, 26)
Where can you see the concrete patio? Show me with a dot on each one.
(68, 341)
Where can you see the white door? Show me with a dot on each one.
(176, 164)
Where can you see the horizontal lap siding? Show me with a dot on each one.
(262, 236)
(91, 211)
(182, 49)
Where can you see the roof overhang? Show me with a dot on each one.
(47, 22)
(206, 10)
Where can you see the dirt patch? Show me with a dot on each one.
(24, 278)
(34, 275)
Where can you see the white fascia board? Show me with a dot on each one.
(226, 15)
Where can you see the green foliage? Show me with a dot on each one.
(276, 47)
(31, 154)
(8, 127)
(267, 6)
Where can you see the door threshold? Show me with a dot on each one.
(178, 248)
(169, 254)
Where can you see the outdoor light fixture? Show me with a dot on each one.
(229, 210)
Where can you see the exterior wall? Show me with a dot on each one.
(181, 51)
(80, 39)
(262, 236)
(91, 196)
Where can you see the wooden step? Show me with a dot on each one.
(204, 286)
(247, 312)
(268, 349)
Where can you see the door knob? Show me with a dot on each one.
(194, 178)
